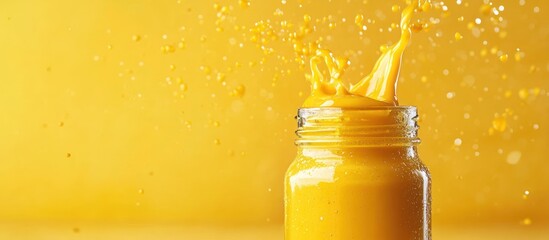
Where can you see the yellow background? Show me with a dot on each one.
(91, 130)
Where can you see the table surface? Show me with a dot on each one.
(167, 232)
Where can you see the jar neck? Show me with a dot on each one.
(384, 126)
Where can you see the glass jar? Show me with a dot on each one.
(357, 175)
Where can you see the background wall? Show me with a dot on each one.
(167, 111)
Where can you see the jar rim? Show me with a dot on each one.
(365, 126)
(363, 108)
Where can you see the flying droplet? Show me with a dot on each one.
(167, 48)
(499, 124)
(523, 94)
(244, 3)
(183, 87)
(514, 157)
(358, 19)
(239, 91)
(503, 58)
(307, 18)
(519, 56)
(526, 194)
(458, 36)
(457, 142)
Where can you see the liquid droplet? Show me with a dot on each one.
(167, 49)
(503, 58)
(239, 91)
(514, 157)
(526, 194)
(458, 36)
(244, 3)
(499, 124)
(183, 87)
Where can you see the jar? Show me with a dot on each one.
(357, 176)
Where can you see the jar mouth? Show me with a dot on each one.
(358, 108)
(364, 126)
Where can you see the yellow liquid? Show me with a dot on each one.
(345, 192)
(357, 193)
(376, 89)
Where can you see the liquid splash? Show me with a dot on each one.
(376, 89)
